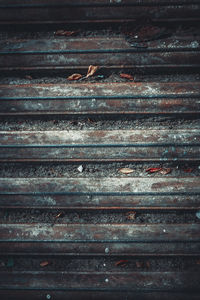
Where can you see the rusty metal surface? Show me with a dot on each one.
(105, 186)
(77, 90)
(165, 153)
(111, 61)
(100, 137)
(130, 98)
(99, 44)
(106, 233)
(105, 202)
(141, 249)
(38, 3)
(77, 53)
(77, 240)
(62, 11)
(89, 145)
(130, 281)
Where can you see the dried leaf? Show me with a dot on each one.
(131, 215)
(127, 76)
(138, 264)
(188, 170)
(29, 77)
(44, 263)
(198, 262)
(75, 77)
(121, 263)
(90, 120)
(59, 215)
(153, 170)
(148, 264)
(126, 170)
(65, 33)
(165, 171)
(91, 71)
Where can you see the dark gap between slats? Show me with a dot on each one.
(96, 170)
(98, 122)
(66, 216)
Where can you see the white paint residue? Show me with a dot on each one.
(195, 44)
(151, 91)
(35, 231)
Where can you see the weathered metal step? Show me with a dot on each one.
(104, 186)
(94, 145)
(101, 98)
(62, 11)
(101, 201)
(110, 193)
(173, 53)
(91, 249)
(106, 233)
(100, 239)
(96, 222)
(129, 281)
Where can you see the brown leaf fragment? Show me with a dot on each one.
(148, 264)
(126, 170)
(153, 170)
(75, 77)
(90, 120)
(91, 70)
(138, 264)
(44, 263)
(131, 215)
(198, 262)
(65, 33)
(188, 170)
(121, 263)
(165, 171)
(127, 76)
(29, 77)
(59, 215)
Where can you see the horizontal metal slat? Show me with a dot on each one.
(129, 281)
(100, 233)
(99, 44)
(104, 186)
(88, 145)
(154, 249)
(56, 12)
(143, 98)
(73, 138)
(38, 3)
(150, 202)
(54, 54)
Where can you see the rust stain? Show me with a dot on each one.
(165, 184)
